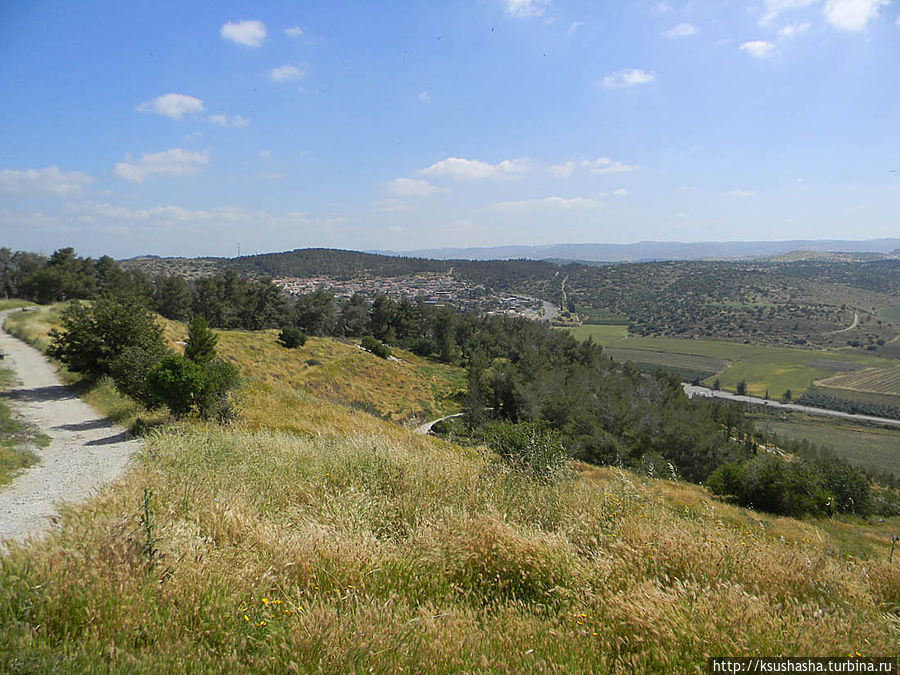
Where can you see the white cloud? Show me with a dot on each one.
(413, 187)
(681, 30)
(293, 31)
(898, 19)
(271, 176)
(175, 162)
(550, 202)
(425, 97)
(794, 29)
(172, 105)
(607, 165)
(575, 25)
(392, 206)
(288, 73)
(742, 193)
(525, 8)
(563, 170)
(224, 121)
(776, 7)
(759, 49)
(627, 78)
(48, 181)
(265, 154)
(852, 15)
(621, 192)
(472, 169)
(250, 33)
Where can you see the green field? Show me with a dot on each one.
(766, 369)
(874, 448)
(603, 335)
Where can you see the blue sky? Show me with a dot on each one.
(187, 128)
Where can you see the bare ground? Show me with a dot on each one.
(86, 450)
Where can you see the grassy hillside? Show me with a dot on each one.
(311, 537)
(408, 388)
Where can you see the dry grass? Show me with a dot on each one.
(310, 537)
(411, 389)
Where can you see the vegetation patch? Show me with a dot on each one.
(16, 437)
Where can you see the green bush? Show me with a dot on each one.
(94, 337)
(530, 447)
(291, 337)
(369, 343)
(184, 386)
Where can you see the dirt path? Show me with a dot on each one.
(425, 428)
(851, 326)
(86, 451)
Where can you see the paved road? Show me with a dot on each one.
(86, 450)
(692, 390)
(425, 428)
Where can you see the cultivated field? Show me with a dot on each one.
(765, 369)
(873, 380)
(874, 448)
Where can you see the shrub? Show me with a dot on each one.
(291, 337)
(176, 383)
(530, 447)
(182, 386)
(425, 347)
(369, 343)
(93, 337)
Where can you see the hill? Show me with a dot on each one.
(658, 250)
(310, 536)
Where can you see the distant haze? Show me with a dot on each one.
(658, 250)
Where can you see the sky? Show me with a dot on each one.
(213, 128)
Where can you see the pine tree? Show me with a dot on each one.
(201, 343)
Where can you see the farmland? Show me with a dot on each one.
(765, 368)
(876, 449)
(873, 380)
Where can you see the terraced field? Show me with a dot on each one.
(873, 380)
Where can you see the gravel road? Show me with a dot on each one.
(86, 451)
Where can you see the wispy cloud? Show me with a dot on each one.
(472, 169)
(793, 29)
(293, 31)
(425, 97)
(174, 106)
(629, 77)
(288, 73)
(776, 7)
(413, 187)
(570, 204)
(249, 33)
(742, 193)
(607, 165)
(759, 49)
(174, 162)
(37, 182)
(681, 30)
(524, 9)
(225, 121)
(563, 170)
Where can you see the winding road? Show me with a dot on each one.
(86, 450)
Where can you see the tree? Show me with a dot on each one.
(93, 337)
(742, 388)
(291, 337)
(201, 342)
(787, 396)
(176, 382)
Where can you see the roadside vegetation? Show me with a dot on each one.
(17, 439)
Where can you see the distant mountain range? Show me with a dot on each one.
(660, 250)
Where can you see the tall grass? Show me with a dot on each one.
(311, 537)
(377, 549)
